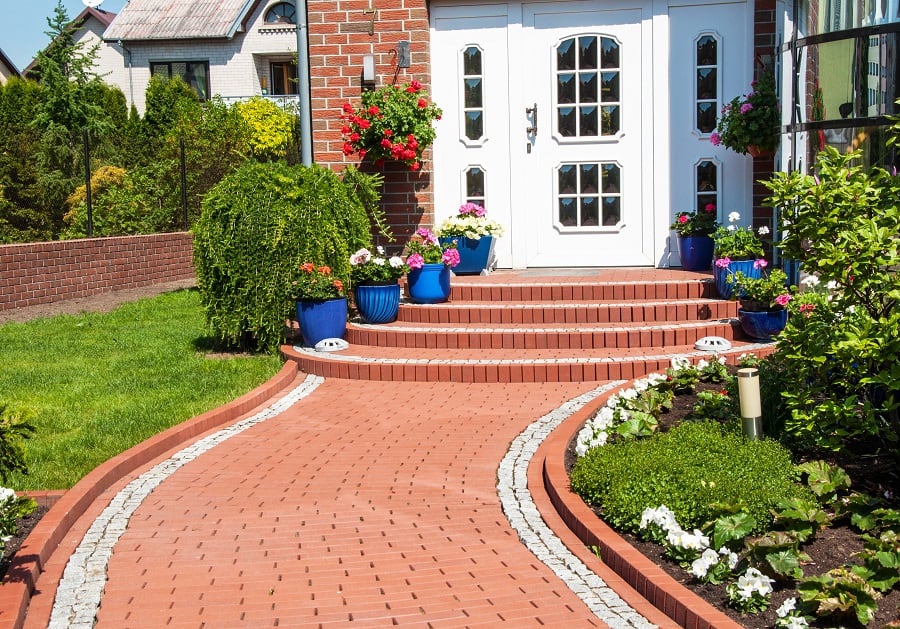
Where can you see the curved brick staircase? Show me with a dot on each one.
(539, 326)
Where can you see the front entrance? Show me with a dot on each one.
(551, 121)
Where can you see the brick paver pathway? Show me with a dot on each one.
(371, 503)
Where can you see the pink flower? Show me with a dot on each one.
(782, 300)
(715, 138)
(473, 209)
(415, 261)
(723, 263)
(710, 207)
(450, 257)
(427, 236)
(760, 264)
(746, 107)
(682, 219)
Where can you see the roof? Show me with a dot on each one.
(104, 17)
(8, 62)
(178, 19)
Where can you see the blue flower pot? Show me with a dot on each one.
(696, 252)
(723, 277)
(378, 303)
(762, 326)
(474, 255)
(430, 284)
(322, 319)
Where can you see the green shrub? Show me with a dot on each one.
(258, 225)
(273, 128)
(689, 469)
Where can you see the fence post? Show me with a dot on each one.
(183, 184)
(87, 182)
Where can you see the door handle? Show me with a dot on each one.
(533, 112)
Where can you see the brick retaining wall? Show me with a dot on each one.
(45, 272)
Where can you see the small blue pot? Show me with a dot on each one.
(430, 284)
(378, 303)
(474, 255)
(762, 326)
(322, 319)
(696, 252)
(723, 277)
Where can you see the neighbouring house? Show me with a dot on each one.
(582, 125)
(87, 30)
(7, 68)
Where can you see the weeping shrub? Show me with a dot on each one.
(258, 225)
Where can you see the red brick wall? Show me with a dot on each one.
(764, 59)
(338, 39)
(44, 272)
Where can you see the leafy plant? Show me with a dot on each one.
(750, 593)
(700, 223)
(393, 123)
(750, 120)
(256, 225)
(800, 517)
(728, 529)
(715, 405)
(881, 560)
(12, 508)
(826, 481)
(840, 591)
(316, 283)
(769, 291)
(777, 553)
(732, 241)
(15, 428)
(368, 267)
(471, 221)
(425, 248)
(273, 128)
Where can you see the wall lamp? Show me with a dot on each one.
(368, 72)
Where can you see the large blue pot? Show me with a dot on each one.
(696, 252)
(762, 326)
(474, 255)
(430, 284)
(378, 303)
(322, 319)
(724, 276)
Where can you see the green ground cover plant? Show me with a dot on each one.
(97, 384)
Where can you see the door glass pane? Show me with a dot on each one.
(706, 97)
(580, 200)
(473, 93)
(587, 59)
(475, 186)
(706, 117)
(707, 184)
(577, 89)
(707, 51)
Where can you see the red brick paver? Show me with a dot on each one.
(372, 503)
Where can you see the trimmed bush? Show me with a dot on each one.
(258, 226)
(688, 469)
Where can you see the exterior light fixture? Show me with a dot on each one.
(751, 406)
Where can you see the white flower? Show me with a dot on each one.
(360, 257)
(763, 231)
(661, 516)
(680, 362)
(810, 281)
(379, 261)
(796, 622)
(700, 567)
(380, 250)
(694, 541)
(629, 394)
(731, 557)
(732, 228)
(753, 582)
(604, 418)
(396, 262)
(6, 494)
(832, 285)
(702, 364)
(613, 401)
(734, 217)
(786, 607)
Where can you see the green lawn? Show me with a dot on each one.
(100, 383)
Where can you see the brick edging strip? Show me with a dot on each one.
(21, 579)
(634, 577)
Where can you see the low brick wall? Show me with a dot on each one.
(44, 272)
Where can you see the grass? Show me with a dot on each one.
(101, 383)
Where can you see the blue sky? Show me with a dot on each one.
(25, 21)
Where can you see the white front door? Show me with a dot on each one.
(545, 120)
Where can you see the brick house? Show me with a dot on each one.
(7, 68)
(581, 125)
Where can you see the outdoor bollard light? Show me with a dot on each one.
(751, 407)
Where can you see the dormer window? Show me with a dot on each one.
(282, 13)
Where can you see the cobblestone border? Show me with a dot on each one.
(80, 590)
(524, 517)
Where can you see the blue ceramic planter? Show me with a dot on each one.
(378, 303)
(723, 277)
(322, 319)
(474, 255)
(430, 284)
(762, 326)
(696, 252)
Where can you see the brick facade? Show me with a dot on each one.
(764, 39)
(45, 272)
(338, 39)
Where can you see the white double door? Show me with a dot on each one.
(583, 126)
(547, 122)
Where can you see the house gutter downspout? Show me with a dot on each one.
(303, 89)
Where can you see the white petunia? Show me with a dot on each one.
(604, 418)
(810, 281)
(786, 607)
(379, 261)
(763, 231)
(731, 557)
(396, 262)
(629, 394)
(734, 217)
(732, 228)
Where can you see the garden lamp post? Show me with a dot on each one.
(751, 406)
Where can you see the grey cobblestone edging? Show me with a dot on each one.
(512, 487)
(81, 587)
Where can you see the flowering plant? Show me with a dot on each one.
(393, 122)
(751, 591)
(316, 283)
(750, 120)
(427, 249)
(737, 242)
(769, 291)
(699, 223)
(471, 221)
(368, 267)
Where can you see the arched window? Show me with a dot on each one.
(281, 13)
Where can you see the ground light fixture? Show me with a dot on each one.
(751, 406)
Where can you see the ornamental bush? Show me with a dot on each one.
(258, 226)
(689, 469)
